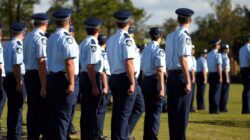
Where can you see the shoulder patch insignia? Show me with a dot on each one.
(93, 48)
(188, 41)
(126, 35)
(19, 50)
(93, 41)
(19, 43)
(161, 53)
(69, 40)
(44, 41)
(104, 55)
(129, 42)
(66, 33)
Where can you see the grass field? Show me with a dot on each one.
(227, 126)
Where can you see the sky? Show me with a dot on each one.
(159, 10)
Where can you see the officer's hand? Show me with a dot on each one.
(43, 92)
(188, 88)
(228, 81)
(161, 94)
(105, 90)
(220, 80)
(131, 89)
(19, 88)
(70, 89)
(193, 81)
(205, 82)
(95, 91)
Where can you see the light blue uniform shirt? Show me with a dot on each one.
(152, 58)
(225, 62)
(213, 60)
(13, 54)
(201, 64)
(90, 53)
(192, 63)
(61, 46)
(1, 60)
(137, 62)
(244, 56)
(178, 43)
(34, 48)
(105, 61)
(120, 47)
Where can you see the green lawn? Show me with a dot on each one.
(226, 126)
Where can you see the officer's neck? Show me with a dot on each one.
(19, 36)
(186, 26)
(42, 28)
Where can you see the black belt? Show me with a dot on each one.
(177, 71)
(57, 73)
(33, 70)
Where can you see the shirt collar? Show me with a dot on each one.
(16, 39)
(155, 43)
(122, 31)
(62, 30)
(39, 30)
(215, 50)
(92, 37)
(183, 28)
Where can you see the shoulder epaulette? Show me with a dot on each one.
(41, 34)
(93, 41)
(186, 33)
(19, 43)
(66, 33)
(126, 35)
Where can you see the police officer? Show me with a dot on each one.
(214, 62)
(225, 78)
(2, 74)
(244, 57)
(201, 79)
(192, 76)
(62, 55)
(153, 62)
(13, 84)
(139, 105)
(90, 82)
(35, 77)
(72, 130)
(121, 53)
(178, 49)
(102, 39)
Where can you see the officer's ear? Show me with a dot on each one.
(190, 20)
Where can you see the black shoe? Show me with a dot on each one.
(224, 111)
(131, 138)
(193, 111)
(74, 132)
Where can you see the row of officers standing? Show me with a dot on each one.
(50, 69)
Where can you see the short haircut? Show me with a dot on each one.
(183, 20)
(38, 23)
(155, 37)
(121, 25)
(61, 23)
(92, 31)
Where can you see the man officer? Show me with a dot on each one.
(121, 53)
(92, 76)
(244, 56)
(62, 54)
(35, 76)
(13, 84)
(178, 49)
(214, 62)
(201, 79)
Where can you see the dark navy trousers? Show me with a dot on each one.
(90, 110)
(15, 104)
(153, 107)
(2, 97)
(192, 93)
(214, 92)
(178, 105)
(138, 109)
(37, 107)
(122, 106)
(76, 93)
(102, 111)
(60, 105)
(245, 73)
(201, 89)
(224, 93)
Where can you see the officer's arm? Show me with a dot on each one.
(105, 83)
(129, 65)
(160, 76)
(220, 72)
(17, 74)
(193, 76)
(185, 69)
(70, 70)
(92, 77)
(1, 69)
(42, 73)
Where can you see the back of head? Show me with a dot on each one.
(123, 17)
(40, 19)
(92, 25)
(62, 17)
(155, 33)
(184, 15)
